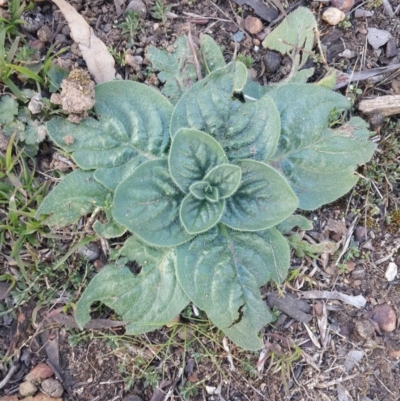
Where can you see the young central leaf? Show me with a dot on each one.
(193, 153)
(226, 178)
(199, 215)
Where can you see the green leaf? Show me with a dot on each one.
(111, 177)
(240, 77)
(133, 122)
(198, 189)
(56, 75)
(245, 130)
(177, 70)
(319, 162)
(193, 153)
(14, 127)
(293, 221)
(76, 195)
(8, 109)
(295, 32)
(145, 301)
(211, 52)
(221, 272)
(263, 199)
(34, 133)
(147, 203)
(199, 215)
(226, 178)
(111, 229)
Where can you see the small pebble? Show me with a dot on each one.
(361, 13)
(272, 61)
(44, 34)
(238, 36)
(90, 251)
(343, 5)
(360, 234)
(364, 328)
(35, 105)
(391, 271)
(52, 388)
(347, 53)
(376, 120)
(385, 316)
(3, 3)
(253, 25)
(256, 42)
(137, 6)
(333, 16)
(40, 372)
(27, 389)
(66, 30)
(60, 38)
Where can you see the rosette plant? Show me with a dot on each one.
(201, 187)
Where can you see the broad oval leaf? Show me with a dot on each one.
(76, 195)
(147, 203)
(199, 215)
(226, 178)
(133, 122)
(145, 301)
(221, 272)
(193, 153)
(263, 199)
(319, 162)
(244, 130)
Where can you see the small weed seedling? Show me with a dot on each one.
(205, 184)
(159, 11)
(130, 27)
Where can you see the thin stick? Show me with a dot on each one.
(196, 61)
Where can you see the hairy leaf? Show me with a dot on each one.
(133, 122)
(113, 176)
(76, 195)
(8, 109)
(294, 35)
(145, 301)
(226, 178)
(199, 215)
(293, 221)
(211, 52)
(221, 272)
(147, 203)
(193, 153)
(178, 72)
(319, 162)
(263, 199)
(244, 130)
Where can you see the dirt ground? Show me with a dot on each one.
(338, 351)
